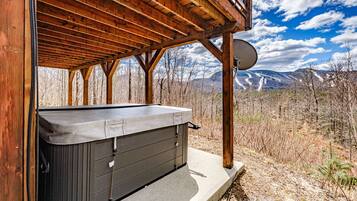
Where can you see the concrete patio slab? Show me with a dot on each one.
(202, 179)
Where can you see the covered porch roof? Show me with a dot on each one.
(76, 34)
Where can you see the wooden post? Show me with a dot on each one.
(86, 72)
(15, 82)
(149, 96)
(226, 57)
(109, 70)
(149, 66)
(227, 100)
(71, 75)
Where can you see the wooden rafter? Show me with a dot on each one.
(210, 10)
(91, 32)
(110, 15)
(129, 16)
(82, 40)
(63, 26)
(155, 15)
(172, 43)
(183, 13)
(100, 23)
(231, 12)
(85, 36)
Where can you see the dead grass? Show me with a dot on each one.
(280, 157)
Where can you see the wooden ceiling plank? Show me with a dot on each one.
(64, 53)
(43, 54)
(59, 24)
(125, 14)
(63, 36)
(83, 36)
(230, 11)
(176, 8)
(61, 65)
(48, 65)
(49, 59)
(46, 45)
(72, 9)
(210, 10)
(148, 11)
(73, 44)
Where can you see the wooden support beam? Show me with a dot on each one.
(148, 66)
(228, 100)
(86, 75)
(71, 75)
(109, 69)
(249, 11)
(212, 48)
(166, 44)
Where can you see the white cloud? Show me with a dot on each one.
(347, 37)
(350, 23)
(291, 9)
(265, 5)
(348, 3)
(321, 21)
(262, 28)
(285, 55)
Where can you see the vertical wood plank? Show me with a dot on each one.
(71, 75)
(227, 100)
(29, 141)
(12, 65)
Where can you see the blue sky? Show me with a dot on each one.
(292, 34)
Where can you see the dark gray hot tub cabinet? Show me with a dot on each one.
(85, 171)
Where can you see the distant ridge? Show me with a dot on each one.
(263, 79)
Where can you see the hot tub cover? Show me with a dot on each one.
(64, 127)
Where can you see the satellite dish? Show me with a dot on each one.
(245, 55)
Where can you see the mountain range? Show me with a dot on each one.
(262, 79)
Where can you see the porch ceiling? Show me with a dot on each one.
(76, 34)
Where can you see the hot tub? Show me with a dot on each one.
(106, 153)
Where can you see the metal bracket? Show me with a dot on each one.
(193, 126)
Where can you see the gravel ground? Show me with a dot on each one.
(265, 179)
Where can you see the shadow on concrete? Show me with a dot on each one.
(180, 186)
